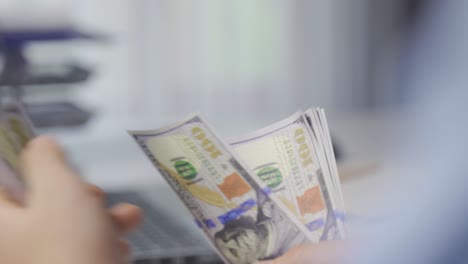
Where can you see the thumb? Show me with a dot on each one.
(294, 255)
(45, 169)
(325, 252)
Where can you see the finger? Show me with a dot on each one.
(8, 207)
(47, 144)
(266, 262)
(326, 252)
(6, 200)
(46, 171)
(124, 247)
(290, 257)
(95, 191)
(279, 260)
(126, 217)
(125, 250)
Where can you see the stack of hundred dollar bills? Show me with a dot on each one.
(258, 195)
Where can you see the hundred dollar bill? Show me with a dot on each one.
(318, 123)
(15, 131)
(239, 218)
(284, 157)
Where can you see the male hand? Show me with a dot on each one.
(63, 220)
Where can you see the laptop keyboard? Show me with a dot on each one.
(160, 239)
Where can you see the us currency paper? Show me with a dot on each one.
(15, 132)
(284, 157)
(318, 123)
(235, 211)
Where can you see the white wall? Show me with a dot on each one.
(232, 60)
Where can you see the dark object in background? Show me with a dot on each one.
(57, 114)
(57, 74)
(17, 73)
(337, 149)
(16, 69)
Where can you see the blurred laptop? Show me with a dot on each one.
(167, 234)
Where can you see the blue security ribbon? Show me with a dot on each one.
(236, 212)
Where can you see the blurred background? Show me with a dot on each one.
(116, 65)
(226, 59)
(89, 70)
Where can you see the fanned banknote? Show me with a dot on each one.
(240, 218)
(15, 131)
(319, 126)
(284, 156)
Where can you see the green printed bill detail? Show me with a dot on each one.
(243, 223)
(283, 156)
